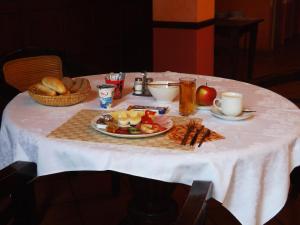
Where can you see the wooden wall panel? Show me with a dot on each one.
(134, 19)
(101, 36)
(10, 31)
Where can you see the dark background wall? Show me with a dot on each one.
(93, 36)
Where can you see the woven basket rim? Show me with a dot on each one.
(59, 100)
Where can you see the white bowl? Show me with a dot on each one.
(163, 92)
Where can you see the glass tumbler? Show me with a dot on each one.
(187, 95)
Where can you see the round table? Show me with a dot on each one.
(249, 168)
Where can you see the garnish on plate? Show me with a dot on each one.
(132, 122)
(103, 120)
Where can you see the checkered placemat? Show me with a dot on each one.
(78, 127)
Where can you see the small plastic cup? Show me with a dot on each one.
(116, 79)
(106, 93)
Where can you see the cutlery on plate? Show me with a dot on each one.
(206, 134)
(194, 139)
(190, 127)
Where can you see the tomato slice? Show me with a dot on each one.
(122, 131)
(146, 120)
(149, 113)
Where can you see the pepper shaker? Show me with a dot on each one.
(146, 89)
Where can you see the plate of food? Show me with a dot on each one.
(132, 123)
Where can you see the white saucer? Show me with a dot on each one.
(217, 113)
(204, 107)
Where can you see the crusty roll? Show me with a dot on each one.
(67, 93)
(85, 85)
(54, 84)
(68, 82)
(76, 85)
(43, 90)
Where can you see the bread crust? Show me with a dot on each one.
(85, 85)
(76, 85)
(43, 90)
(54, 84)
(68, 82)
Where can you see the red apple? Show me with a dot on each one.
(205, 95)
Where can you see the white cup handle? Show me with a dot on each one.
(217, 103)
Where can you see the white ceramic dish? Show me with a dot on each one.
(162, 92)
(217, 113)
(203, 107)
(168, 124)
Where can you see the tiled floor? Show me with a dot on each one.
(289, 214)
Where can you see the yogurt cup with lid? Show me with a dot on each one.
(106, 93)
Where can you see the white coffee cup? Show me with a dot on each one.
(230, 103)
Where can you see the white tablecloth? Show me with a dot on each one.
(249, 168)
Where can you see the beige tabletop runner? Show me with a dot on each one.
(79, 128)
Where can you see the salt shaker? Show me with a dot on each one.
(138, 86)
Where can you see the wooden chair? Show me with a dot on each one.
(194, 209)
(16, 185)
(15, 193)
(24, 67)
(23, 72)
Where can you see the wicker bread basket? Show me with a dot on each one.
(59, 100)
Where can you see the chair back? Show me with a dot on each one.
(194, 208)
(23, 72)
(16, 194)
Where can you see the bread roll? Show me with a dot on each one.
(76, 85)
(54, 84)
(85, 85)
(43, 90)
(67, 93)
(68, 82)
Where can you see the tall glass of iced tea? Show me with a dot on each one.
(187, 91)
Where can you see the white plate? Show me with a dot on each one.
(167, 123)
(217, 113)
(204, 107)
